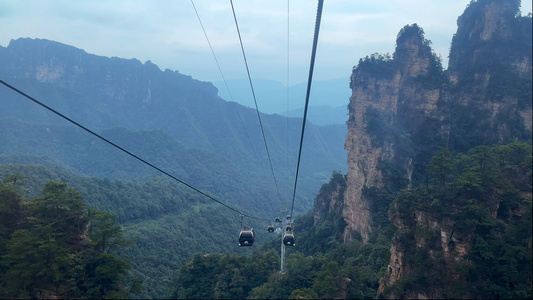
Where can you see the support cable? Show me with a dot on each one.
(223, 78)
(309, 81)
(255, 100)
(126, 151)
(288, 82)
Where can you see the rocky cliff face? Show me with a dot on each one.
(405, 107)
(388, 101)
(490, 67)
(459, 248)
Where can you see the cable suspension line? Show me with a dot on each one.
(288, 82)
(255, 100)
(309, 81)
(127, 152)
(223, 77)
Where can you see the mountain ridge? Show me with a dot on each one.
(101, 93)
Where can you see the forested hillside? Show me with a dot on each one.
(484, 197)
(55, 246)
(165, 222)
(72, 150)
(323, 266)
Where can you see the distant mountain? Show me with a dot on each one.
(272, 95)
(323, 115)
(119, 97)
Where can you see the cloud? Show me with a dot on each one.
(168, 33)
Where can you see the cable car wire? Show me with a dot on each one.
(255, 100)
(223, 77)
(309, 81)
(288, 82)
(127, 152)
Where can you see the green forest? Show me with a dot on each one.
(459, 187)
(55, 245)
(164, 220)
(485, 196)
(75, 251)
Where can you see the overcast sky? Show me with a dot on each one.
(168, 33)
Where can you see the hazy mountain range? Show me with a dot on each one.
(171, 120)
(327, 101)
(155, 109)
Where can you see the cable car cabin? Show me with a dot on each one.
(289, 227)
(271, 228)
(246, 237)
(288, 239)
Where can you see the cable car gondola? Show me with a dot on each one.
(288, 239)
(289, 227)
(246, 237)
(270, 228)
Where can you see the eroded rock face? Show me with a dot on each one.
(409, 98)
(404, 91)
(494, 20)
(327, 202)
(490, 41)
(393, 94)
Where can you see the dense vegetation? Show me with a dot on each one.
(485, 196)
(165, 221)
(50, 229)
(350, 270)
(461, 188)
(162, 240)
(74, 151)
(55, 246)
(320, 266)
